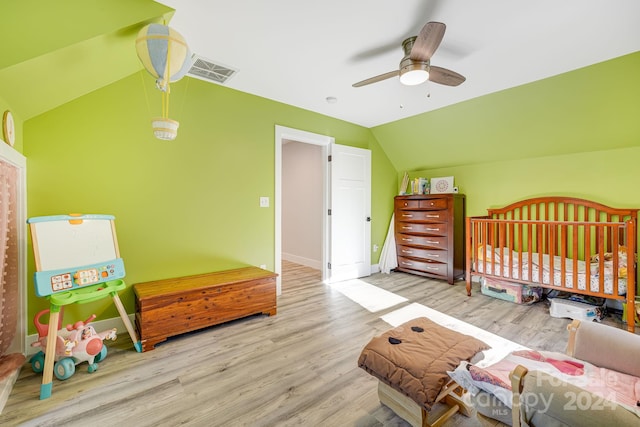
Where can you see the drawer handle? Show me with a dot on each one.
(406, 204)
(433, 229)
(407, 240)
(434, 256)
(432, 203)
(407, 215)
(406, 251)
(433, 242)
(432, 216)
(407, 263)
(407, 227)
(431, 268)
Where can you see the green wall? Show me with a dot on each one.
(595, 108)
(610, 177)
(575, 134)
(183, 207)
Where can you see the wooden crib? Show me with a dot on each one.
(568, 244)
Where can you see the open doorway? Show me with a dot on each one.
(302, 197)
(345, 185)
(284, 135)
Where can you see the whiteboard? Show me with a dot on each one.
(65, 241)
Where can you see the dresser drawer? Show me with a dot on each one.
(439, 229)
(423, 216)
(428, 254)
(427, 267)
(433, 204)
(407, 204)
(439, 242)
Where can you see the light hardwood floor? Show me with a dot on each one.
(297, 368)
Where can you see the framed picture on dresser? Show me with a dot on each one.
(442, 185)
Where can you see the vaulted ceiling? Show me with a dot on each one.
(302, 52)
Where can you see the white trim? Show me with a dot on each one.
(313, 263)
(283, 134)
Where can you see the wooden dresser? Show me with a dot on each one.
(169, 307)
(429, 232)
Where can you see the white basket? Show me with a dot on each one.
(165, 129)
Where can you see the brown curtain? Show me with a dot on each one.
(9, 295)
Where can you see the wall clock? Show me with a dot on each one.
(9, 128)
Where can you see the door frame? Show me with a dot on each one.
(283, 134)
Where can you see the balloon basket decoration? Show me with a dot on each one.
(165, 129)
(166, 56)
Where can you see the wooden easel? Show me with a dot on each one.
(77, 261)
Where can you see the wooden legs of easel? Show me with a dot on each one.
(127, 323)
(50, 353)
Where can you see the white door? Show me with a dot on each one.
(350, 218)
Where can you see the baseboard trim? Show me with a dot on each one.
(313, 263)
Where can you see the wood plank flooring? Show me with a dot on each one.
(296, 368)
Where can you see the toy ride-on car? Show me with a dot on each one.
(77, 343)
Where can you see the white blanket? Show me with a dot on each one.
(507, 263)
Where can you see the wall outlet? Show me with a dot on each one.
(375, 248)
(263, 266)
(264, 202)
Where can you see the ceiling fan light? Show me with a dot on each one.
(414, 73)
(414, 77)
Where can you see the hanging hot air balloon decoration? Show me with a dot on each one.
(165, 54)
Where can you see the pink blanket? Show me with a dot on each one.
(614, 386)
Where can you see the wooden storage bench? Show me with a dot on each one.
(169, 307)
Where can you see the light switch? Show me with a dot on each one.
(264, 202)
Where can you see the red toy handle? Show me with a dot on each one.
(79, 324)
(43, 328)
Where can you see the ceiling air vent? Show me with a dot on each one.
(205, 69)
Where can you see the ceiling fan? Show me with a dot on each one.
(415, 66)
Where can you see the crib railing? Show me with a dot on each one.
(506, 249)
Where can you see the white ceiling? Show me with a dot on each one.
(300, 52)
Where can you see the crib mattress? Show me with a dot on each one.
(506, 264)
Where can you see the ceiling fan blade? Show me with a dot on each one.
(377, 78)
(427, 41)
(445, 77)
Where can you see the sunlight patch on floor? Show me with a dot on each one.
(368, 296)
(500, 347)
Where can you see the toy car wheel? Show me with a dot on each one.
(64, 368)
(37, 362)
(100, 356)
(92, 368)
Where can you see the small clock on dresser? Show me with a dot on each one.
(9, 128)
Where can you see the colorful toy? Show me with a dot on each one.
(77, 261)
(77, 343)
